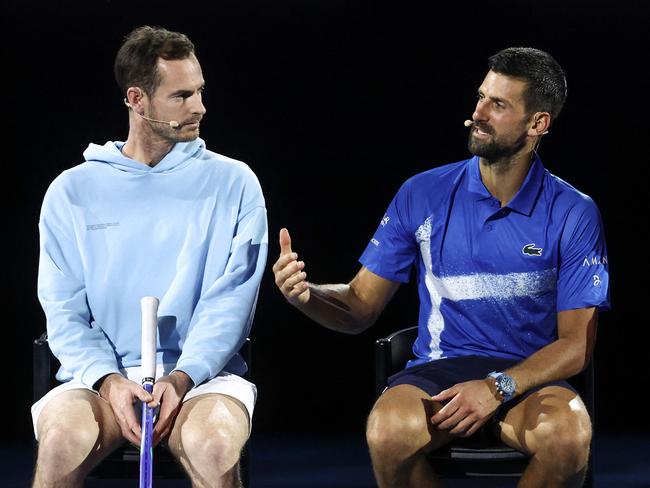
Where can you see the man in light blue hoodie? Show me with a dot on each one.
(156, 215)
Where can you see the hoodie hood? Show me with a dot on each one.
(111, 153)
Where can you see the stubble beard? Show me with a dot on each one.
(171, 134)
(495, 151)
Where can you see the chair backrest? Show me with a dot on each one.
(391, 355)
(45, 368)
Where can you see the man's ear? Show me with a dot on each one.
(134, 96)
(540, 124)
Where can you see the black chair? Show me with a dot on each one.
(472, 457)
(124, 462)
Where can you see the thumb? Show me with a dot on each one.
(142, 394)
(157, 394)
(285, 241)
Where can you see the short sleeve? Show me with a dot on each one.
(392, 249)
(583, 275)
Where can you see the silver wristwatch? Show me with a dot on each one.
(505, 385)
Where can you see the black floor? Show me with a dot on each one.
(337, 462)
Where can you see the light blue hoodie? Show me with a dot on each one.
(191, 231)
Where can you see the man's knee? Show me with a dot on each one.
(387, 430)
(564, 440)
(73, 427)
(62, 454)
(210, 435)
(217, 445)
(68, 420)
(570, 434)
(548, 421)
(65, 437)
(398, 432)
(73, 434)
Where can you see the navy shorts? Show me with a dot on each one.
(440, 374)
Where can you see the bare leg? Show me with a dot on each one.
(553, 426)
(207, 438)
(400, 434)
(76, 430)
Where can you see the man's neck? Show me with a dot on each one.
(146, 148)
(503, 178)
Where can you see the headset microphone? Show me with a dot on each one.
(172, 123)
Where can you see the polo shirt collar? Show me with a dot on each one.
(525, 198)
(475, 184)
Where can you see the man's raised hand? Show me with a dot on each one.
(290, 276)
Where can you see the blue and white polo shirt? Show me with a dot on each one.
(491, 279)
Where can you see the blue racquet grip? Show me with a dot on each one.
(146, 445)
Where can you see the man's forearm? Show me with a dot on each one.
(336, 307)
(563, 358)
(557, 361)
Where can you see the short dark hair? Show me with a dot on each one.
(136, 63)
(546, 88)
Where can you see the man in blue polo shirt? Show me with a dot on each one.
(511, 268)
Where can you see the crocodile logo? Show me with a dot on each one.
(531, 250)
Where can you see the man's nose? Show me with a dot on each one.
(197, 104)
(480, 112)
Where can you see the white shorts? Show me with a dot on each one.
(226, 384)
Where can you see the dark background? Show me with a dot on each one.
(333, 104)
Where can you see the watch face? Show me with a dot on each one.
(507, 384)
